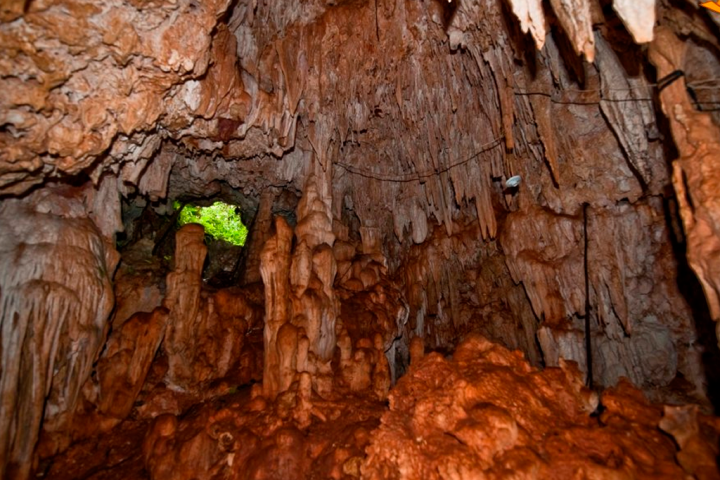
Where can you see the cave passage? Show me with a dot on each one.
(220, 220)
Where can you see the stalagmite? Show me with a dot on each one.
(381, 371)
(260, 234)
(184, 303)
(275, 270)
(287, 348)
(204, 334)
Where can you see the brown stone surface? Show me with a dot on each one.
(303, 334)
(55, 300)
(104, 75)
(369, 144)
(205, 332)
(275, 270)
(126, 361)
(242, 438)
(132, 378)
(695, 173)
(486, 413)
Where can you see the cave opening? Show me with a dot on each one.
(221, 221)
(359, 239)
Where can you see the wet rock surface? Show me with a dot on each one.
(413, 174)
(483, 413)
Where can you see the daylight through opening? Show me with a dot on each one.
(221, 221)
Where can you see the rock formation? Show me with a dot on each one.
(470, 221)
(694, 177)
(123, 368)
(275, 269)
(55, 298)
(487, 414)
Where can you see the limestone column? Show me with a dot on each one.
(275, 272)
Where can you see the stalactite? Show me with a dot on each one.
(575, 18)
(532, 19)
(638, 17)
(625, 117)
(398, 141)
(154, 181)
(620, 335)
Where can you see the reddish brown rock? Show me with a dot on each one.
(298, 436)
(205, 333)
(184, 303)
(55, 300)
(95, 82)
(275, 270)
(696, 439)
(443, 169)
(486, 413)
(694, 173)
(126, 361)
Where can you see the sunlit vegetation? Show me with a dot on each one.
(221, 221)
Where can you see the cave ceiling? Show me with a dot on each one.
(425, 107)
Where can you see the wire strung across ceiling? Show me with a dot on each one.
(602, 95)
(418, 176)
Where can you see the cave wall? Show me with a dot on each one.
(54, 317)
(407, 118)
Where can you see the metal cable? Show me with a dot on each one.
(709, 84)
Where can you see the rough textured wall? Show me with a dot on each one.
(55, 299)
(418, 131)
(695, 173)
(90, 79)
(485, 413)
(411, 116)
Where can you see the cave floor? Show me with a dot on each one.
(328, 445)
(116, 455)
(481, 413)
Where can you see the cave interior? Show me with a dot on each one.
(481, 239)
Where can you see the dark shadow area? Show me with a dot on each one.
(630, 55)
(692, 291)
(574, 63)
(523, 43)
(702, 15)
(148, 238)
(449, 9)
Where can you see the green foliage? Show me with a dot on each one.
(220, 221)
